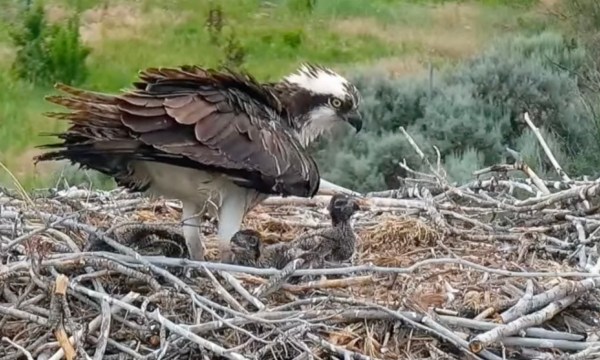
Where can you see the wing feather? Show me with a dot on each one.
(192, 117)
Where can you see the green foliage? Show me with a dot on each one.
(471, 114)
(302, 6)
(48, 53)
(234, 53)
(66, 54)
(214, 22)
(70, 175)
(267, 38)
(583, 14)
(30, 62)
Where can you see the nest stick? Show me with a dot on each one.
(18, 347)
(277, 281)
(521, 306)
(176, 262)
(481, 341)
(155, 315)
(104, 330)
(346, 354)
(241, 290)
(95, 323)
(538, 135)
(224, 293)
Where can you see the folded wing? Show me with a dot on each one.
(190, 117)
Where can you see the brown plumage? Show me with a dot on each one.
(221, 142)
(248, 249)
(187, 117)
(338, 242)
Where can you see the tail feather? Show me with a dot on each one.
(85, 94)
(74, 103)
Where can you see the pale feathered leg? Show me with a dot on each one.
(231, 215)
(191, 230)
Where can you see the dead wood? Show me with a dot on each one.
(501, 267)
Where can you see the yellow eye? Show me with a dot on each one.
(335, 102)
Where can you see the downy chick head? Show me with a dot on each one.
(245, 244)
(341, 207)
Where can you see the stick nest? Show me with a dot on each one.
(479, 269)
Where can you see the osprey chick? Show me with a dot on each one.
(248, 249)
(338, 242)
(245, 248)
(219, 141)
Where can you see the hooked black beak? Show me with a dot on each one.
(355, 119)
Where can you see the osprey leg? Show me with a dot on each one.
(231, 214)
(191, 230)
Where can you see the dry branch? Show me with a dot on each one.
(499, 266)
(546, 148)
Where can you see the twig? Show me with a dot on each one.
(520, 307)
(592, 352)
(278, 280)
(547, 150)
(221, 290)
(18, 347)
(60, 290)
(95, 323)
(326, 187)
(155, 315)
(104, 330)
(483, 340)
(241, 290)
(336, 349)
(176, 262)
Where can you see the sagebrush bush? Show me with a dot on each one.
(72, 175)
(472, 113)
(48, 53)
(584, 15)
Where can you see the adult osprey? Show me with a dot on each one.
(219, 141)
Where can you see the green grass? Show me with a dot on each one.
(276, 38)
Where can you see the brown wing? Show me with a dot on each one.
(189, 117)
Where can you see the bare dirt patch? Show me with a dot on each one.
(115, 22)
(400, 66)
(7, 54)
(118, 21)
(452, 33)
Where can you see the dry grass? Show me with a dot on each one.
(7, 54)
(400, 66)
(121, 21)
(22, 165)
(452, 34)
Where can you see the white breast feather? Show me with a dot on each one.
(321, 120)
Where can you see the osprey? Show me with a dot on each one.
(219, 141)
(248, 249)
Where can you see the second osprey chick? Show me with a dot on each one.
(248, 249)
(338, 242)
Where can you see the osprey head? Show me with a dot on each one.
(322, 99)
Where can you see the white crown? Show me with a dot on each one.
(319, 80)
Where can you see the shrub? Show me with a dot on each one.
(49, 53)
(583, 15)
(72, 175)
(472, 113)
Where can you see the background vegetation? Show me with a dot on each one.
(455, 74)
